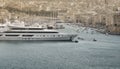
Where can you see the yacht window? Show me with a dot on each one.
(58, 35)
(53, 35)
(11, 35)
(27, 28)
(27, 32)
(61, 35)
(0, 34)
(1, 26)
(35, 28)
(18, 28)
(27, 35)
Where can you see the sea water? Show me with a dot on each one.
(86, 54)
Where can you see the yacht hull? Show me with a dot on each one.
(41, 37)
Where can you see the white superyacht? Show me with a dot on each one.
(21, 32)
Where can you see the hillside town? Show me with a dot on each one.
(100, 14)
(59, 34)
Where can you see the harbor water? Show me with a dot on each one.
(104, 53)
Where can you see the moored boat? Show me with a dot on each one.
(9, 32)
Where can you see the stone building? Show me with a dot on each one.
(4, 14)
(99, 21)
(113, 23)
(86, 18)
